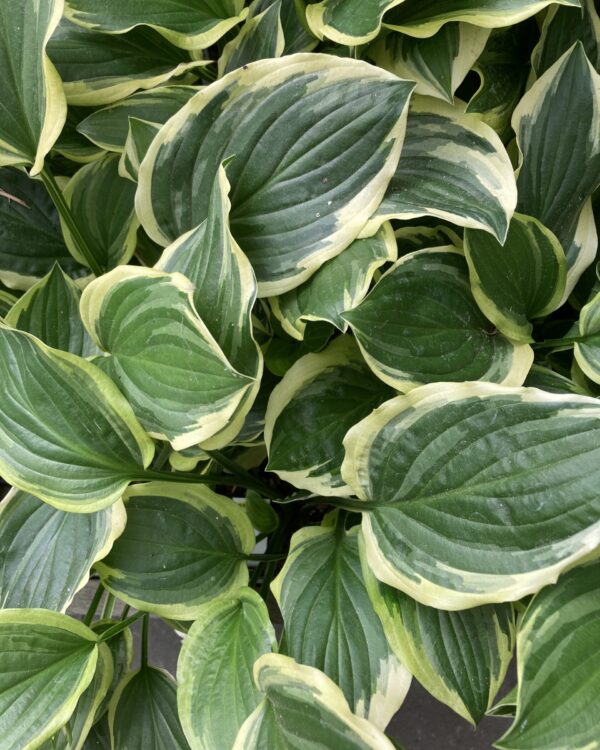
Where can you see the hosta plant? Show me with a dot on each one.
(299, 352)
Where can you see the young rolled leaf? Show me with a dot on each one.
(563, 26)
(46, 554)
(413, 237)
(295, 28)
(559, 667)
(30, 236)
(520, 281)
(47, 660)
(321, 591)
(72, 144)
(139, 138)
(33, 108)
(121, 650)
(101, 69)
(261, 37)
(350, 22)
(322, 394)
(478, 493)
(439, 63)
(108, 127)
(67, 435)
(183, 546)
(340, 284)
(50, 311)
(421, 324)
(224, 294)
(216, 689)
(303, 708)
(295, 202)
(7, 300)
(461, 658)
(560, 157)
(587, 353)
(101, 203)
(143, 712)
(423, 18)
(74, 734)
(453, 167)
(99, 736)
(176, 377)
(196, 25)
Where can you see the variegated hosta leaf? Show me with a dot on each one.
(46, 554)
(503, 69)
(102, 206)
(30, 237)
(140, 136)
(421, 324)
(32, 103)
(321, 395)
(453, 167)
(479, 494)
(196, 24)
(330, 622)
(295, 202)
(439, 63)
(261, 37)
(74, 734)
(101, 69)
(340, 284)
(560, 156)
(303, 708)
(548, 380)
(224, 294)
(47, 660)
(182, 546)
(176, 377)
(143, 712)
(350, 22)
(587, 353)
(520, 281)
(108, 127)
(216, 688)
(67, 435)
(424, 17)
(563, 26)
(461, 658)
(50, 311)
(558, 696)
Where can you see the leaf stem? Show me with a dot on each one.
(108, 607)
(125, 612)
(89, 615)
(243, 475)
(190, 478)
(145, 639)
(64, 210)
(565, 341)
(265, 558)
(119, 627)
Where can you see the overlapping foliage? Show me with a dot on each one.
(316, 276)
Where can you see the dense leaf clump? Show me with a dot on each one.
(300, 352)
